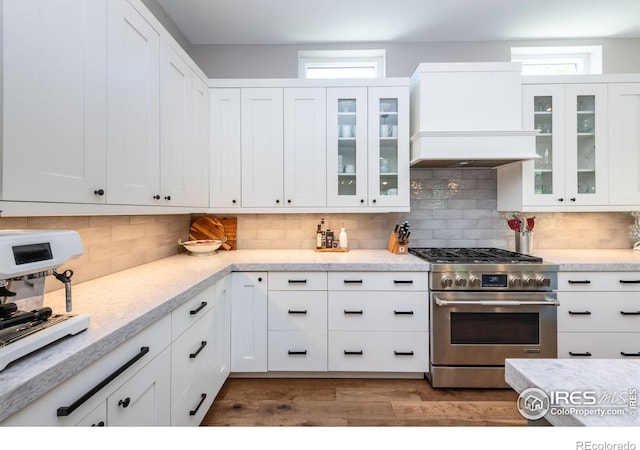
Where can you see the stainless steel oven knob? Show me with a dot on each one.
(528, 281)
(515, 281)
(474, 282)
(446, 282)
(461, 281)
(541, 280)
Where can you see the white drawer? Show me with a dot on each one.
(378, 281)
(598, 311)
(378, 311)
(297, 351)
(188, 313)
(190, 352)
(378, 351)
(195, 401)
(599, 281)
(291, 310)
(599, 345)
(298, 281)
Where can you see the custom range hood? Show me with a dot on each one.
(468, 115)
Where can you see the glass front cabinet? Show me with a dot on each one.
(368, 147)
(572, 145)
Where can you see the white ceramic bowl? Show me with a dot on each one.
(202, 247)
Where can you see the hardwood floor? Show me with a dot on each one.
(358, 402)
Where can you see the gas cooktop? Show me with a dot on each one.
(445, 255)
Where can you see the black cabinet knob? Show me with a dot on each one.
(233, 201)
(361, 200)
(289, 201)
(99, 192)
(260, 279)
(124, 403)
(561, 199)
(573, 199)
(277, 201)
(168, 197)
(156, 197)
(374, 200)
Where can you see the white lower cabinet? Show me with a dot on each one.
(137, 370)
(599, 315)
(249, 322)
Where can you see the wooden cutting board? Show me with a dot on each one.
(210, 227)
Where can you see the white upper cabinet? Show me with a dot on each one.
(262, 147)
(184, 120)
(572, 171)
(54, 96)
(305, 147)
(226, 148)
(624, 145)
(133, 153)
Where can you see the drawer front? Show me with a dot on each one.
(378, 311)
(599, 281)
(597, 311)
(297, 310)
(599, 345)
(190, 352)
(378, 281)
(378, 351)
(192, 310)
(298, 281)
(297, 351)
(195, 401)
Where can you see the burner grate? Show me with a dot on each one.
(481, 255)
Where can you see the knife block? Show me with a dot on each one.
(394, 247)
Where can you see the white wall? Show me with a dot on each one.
(280, 61)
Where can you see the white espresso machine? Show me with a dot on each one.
(27, 258)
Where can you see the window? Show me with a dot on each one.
(341, 64)
(558, 60)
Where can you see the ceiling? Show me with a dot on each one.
(335, 21)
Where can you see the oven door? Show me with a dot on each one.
(484, 328)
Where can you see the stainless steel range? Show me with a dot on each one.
(26, 259)
(487, 304)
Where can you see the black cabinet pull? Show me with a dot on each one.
(346, 311)
(233, 201)
(352, 281)
(64, 411)
(397, 353)
(156, 197)
(124, 403)
(409, 313)
(561, 199)
(297, 281)
(259, 279)
(579, 281)
(99, 192)
(580, 313)
(293, 311)
(403, 281)
(297, 352)
(573, 199)
(168, 197)
(203, 344)
(99, 424)
(630, 354)
(193, 412)
(347, 352)
(630, 313)
(198, 309)
(580, 354)
(630, 281)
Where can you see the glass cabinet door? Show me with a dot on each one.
(544, 177)
(388, 147)
(347, 146)
(586, 144)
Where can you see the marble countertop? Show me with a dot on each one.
(609, 384)
(586, 260)
(124, 303)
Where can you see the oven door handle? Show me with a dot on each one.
(548, 302)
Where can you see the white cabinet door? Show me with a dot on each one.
(347, 147)
(305, 147)
(262, 147)
(388, 158)
(222, 330)
(144, 400)
(184, 120)
(133, 114)
(249, 322)
(54, 96)
(624, 144)
(226, 147)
